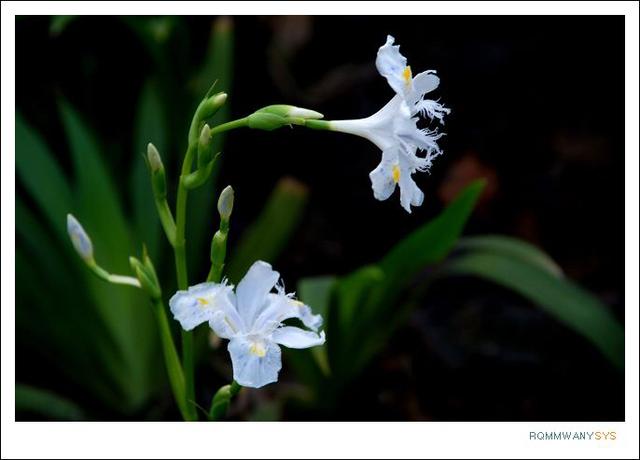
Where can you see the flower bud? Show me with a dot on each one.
(205, 146)
(80, 240)
(266, 121)
(158, 177)
(219, 248)
(225, 203)
(147, 278)
(290, 111)
(209, 106)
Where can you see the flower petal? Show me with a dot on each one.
(282, 307)
(382, 178)
(432, 109)
(252, 291)
(425, 82)
(256, 363)
(410, 194)
(294, 337)
(199, 303)
(393, 66)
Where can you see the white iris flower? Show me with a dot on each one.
(394, 127)
(251, 318)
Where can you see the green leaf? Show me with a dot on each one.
(269, 234)
(353, 293)
(42, 177)
(431, 242)
(561, 298)
(60, 23)
(316, 292)
(149, 127)
(46, 404)
(377, 296)
(88, 351)
(511, 247)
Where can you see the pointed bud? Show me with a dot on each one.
(209, 106)
(266, 121)
(225, 203)
(153, 156)
(218, 249)
(205, 146)
(290, 111)
(146, 277)
(158, 177)
(80, 240)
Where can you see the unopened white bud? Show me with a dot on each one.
(80, 239)
(225, 203)
(153, 156)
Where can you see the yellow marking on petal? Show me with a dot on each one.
(257, 349)
(396, 173)
(297, 303)
(203, 302)
(406, 74)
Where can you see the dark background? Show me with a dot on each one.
(537, 109)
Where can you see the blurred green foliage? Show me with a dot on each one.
(365, 307)
(101, 338)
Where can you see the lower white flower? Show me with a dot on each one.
(251, 318)
(394, 128)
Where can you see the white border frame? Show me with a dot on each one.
(314, 440)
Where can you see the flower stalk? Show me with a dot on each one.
(219, 240)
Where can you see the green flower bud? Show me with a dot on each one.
(147, 278)
(209, 106)
(158, 176)
(218, 248)
(266, 121)
(290, 111)
(205, 146)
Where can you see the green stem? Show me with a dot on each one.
(166, 219)
(172, 362)
(183, 280)
(239, 123)
(179, 249)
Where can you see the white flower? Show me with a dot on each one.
(251, 318)
(394, 128)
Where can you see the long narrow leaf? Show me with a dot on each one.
(563, 299)
(42, 176)
(513, 247)
(46, 404)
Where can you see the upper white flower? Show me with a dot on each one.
(251, 318)
(394, 127)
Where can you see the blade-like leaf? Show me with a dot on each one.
(30, 400)
(511, 247)
(316, 292)
(379, 307)
(42, 177)
(561, 298)
(268, 235)
(433, 241)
